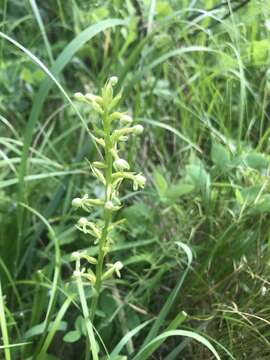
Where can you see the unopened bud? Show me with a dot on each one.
(113, 80)
(75, 255)
(82, 221)
(77, 202)
(109, 205)
(79, 96)
(126, 119)
(138, 129)
(76, 273)
(121, 164)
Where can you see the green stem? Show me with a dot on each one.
(86, 316)
(3, 325)
(106, 213)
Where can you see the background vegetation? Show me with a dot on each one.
(195, 74)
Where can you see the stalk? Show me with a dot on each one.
(112, 128)
(106, 214)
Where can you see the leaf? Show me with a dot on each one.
(160, 183)
(127, 338)
(250, 194)
(145, 354)
(163, 8)
(80, 325)
(54, 328)
(256, 161)
(172, 297)
(220, 156)
(72, 336)
(263, 206)
(201, 180)
(39, 329)
(177, 190)
(259, 51)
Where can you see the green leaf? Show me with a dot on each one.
(177, 190)
(172, 297)
(201, 180)
(72, 336)
(263, 206)
(144, 353)
(250, 194)
(256, 161)
(39, 329)
(160, 183)
(220, 156)
(127, 338)
(259, 51)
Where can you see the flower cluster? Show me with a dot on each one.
(112, 129)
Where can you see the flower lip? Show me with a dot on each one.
(118, 265)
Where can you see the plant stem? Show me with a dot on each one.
(88, 323)
(106, 213)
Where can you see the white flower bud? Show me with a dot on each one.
(77, 202)
(76, 273)
(79, 96)
(138, 181)
(93, 98)
(138, 129)
(126, 119)
(82, 221)
(109, 205)
(118, 265)
(123, 138)
(113, 80)
(75, 255)
(121, 164)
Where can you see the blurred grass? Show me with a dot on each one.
(196, 73)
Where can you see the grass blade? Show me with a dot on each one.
(127, 337)
(42, 29)
(3, 325)
(144, 353)
(54, 328)
(170, 301)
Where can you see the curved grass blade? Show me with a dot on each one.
(56, 272)
(11, 282)
(53, 329)
(173, 130)
(170, 301)
(127, 337)
(88, 323)
(42, 29)
(170, 54)
(144, 352)
(174, 354)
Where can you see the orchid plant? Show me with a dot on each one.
(111, 170)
